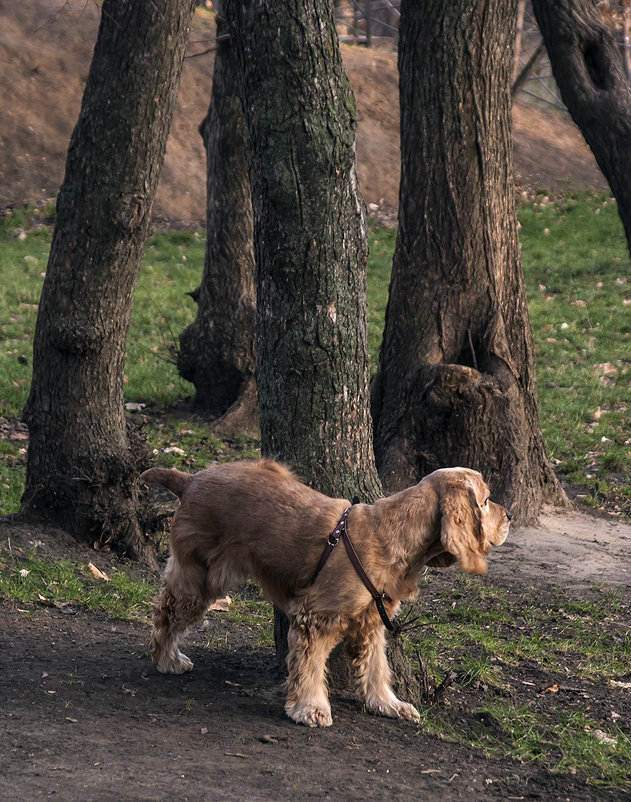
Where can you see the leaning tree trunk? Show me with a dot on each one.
(589, 68)
(456, 380)
(311, 249)
(81, 470)
(217, 349)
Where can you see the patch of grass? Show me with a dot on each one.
(250, 609)
(576, 268)
(24, 245)
(61, 584)
(504, 638)
(382, 242)
(12, 461)
(574, 744)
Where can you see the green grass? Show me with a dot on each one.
(577, 276)
(61, 584)
(578, 280)
(495, 638)
(467, 629)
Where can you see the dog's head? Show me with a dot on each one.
(470, 522)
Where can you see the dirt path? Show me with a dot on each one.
(572, 549)
(87, 717)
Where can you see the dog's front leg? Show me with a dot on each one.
(374, 678)
(310, 641)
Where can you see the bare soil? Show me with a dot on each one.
(85, 715)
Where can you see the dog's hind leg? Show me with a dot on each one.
(181, 602)
(367, 646)
(310, 641)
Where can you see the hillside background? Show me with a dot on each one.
(45, 52)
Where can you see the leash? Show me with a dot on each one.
(333, 539)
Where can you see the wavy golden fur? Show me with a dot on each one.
(256, 519)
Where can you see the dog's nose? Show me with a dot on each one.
(508, 515)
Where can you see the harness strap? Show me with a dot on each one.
(340, 531)
(332, 541)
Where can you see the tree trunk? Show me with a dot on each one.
(310, 245)
(589, 68)
(456, 381)
(311, 248)
(217, 349)
(81, 470)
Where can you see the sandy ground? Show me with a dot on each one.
(572, 548)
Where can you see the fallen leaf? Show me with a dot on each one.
(607, 369)
(232, 684)
(98, 574)
(552, 689)
(235, 754)
(221, 605)
(603, 738)
(617, 684)
(174, 450)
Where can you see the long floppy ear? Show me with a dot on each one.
(461, 527)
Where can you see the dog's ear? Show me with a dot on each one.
(461, 527)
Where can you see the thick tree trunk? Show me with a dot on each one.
(589, 68)
(311, 249)
(217, 349)
(456, 380)
(81, 471)
(310, 245)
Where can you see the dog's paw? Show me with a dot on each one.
(179, 664)
(407, 711)
(310, 715)
(394, 708)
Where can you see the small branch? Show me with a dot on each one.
(473, 356)
(528, 67)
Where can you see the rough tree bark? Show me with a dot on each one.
(589, 68)
(311, 249)
(81, 470)
(310, 244)
(456, 380)
(217, 350)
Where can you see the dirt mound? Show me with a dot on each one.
(45, 53)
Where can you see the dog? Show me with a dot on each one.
(255, 519)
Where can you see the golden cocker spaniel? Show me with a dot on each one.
(256, 519)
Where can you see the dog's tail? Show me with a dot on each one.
(171, 478)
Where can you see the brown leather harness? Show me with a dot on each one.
(333, 539)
